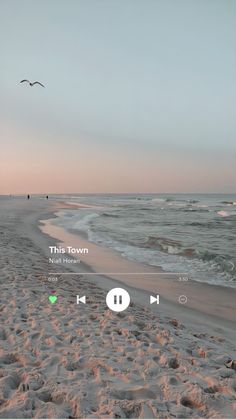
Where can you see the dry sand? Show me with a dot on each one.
(84, 361)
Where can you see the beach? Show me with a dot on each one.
(66, 360)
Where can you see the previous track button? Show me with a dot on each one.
(81, 299)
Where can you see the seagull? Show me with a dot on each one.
(32, 84)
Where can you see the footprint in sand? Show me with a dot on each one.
(141, 393)
(3, 335)
(188, 402)
(8, 359)
(9, 383)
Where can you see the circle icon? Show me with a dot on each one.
(183, 299)
(117, 299)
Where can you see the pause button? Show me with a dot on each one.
(118, 299)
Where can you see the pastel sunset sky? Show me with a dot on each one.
(140, 96)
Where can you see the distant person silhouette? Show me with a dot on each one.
(46, 196)
(28, 196)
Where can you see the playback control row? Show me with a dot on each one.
(118, 299)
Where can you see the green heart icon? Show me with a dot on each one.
(52, 298)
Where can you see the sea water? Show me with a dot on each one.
(192, 234)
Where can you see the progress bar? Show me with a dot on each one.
(117, 273)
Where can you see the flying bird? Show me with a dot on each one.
(32, 84)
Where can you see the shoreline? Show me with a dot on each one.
(203, 298)
(83, 235)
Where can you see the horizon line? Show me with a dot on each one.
(116, 193)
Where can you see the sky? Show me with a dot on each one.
(139, 96)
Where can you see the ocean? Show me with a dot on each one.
(190, 233)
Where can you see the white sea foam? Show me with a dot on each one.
(223, 213)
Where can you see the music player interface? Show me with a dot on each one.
(117, 209)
